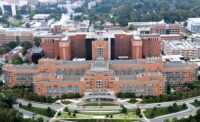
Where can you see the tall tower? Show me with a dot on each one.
(100, 49)
(136, 47)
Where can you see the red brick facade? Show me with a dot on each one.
(142, 77)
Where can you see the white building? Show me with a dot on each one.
(9, 9)
(193, 24)
(184, 48)
(144, 24)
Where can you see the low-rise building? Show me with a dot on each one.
(193, 24)
(13, 53)
(184, 48)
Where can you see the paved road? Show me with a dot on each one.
(40, 105)
(162, 104)
(28, 114)
(190, 111)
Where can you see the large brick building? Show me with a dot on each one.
(57, 77)
(15, 34)
(118, 46)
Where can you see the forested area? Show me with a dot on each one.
(124, 11)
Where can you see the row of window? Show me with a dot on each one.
(143, 89)
(70, 71)
(56, 90)
(128, 71)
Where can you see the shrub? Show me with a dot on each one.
(29, 105)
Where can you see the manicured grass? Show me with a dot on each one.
(125, 116)
(36, 110)
(161, 111)
(17, 23)
(195, 104)
(66, 102)
(99, 104)
(130, 115)
(80, 116)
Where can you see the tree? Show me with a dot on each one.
(28, 25)
(166, 120)
(40, 119)
(18, 60)
(66, 109)
(138, 111)
(29, 105)
(37, 41)
(49, 112)
(69, 113)
(20, 105)
(26, 45)
(170, 109)
(59, 113)
(124, 110)
(111, 116)
(184, 106)
(175, 107)
(196, 101)
(18, 16)
(74, 114)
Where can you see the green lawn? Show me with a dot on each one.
(65, 115)
(161, 111)
(36, 110)
(130, 115)
(125, 116)
(100, 104)
(66, 102)
(17, 23)
(195, 104)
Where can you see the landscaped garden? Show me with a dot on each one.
(99, 104)
(69, 115)
(42, 111)
(154, 112)
(196, 103)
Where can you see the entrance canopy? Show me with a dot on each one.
(99, 96)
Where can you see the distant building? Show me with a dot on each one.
(184, 48)
(41, 16)
(15, 34)
(166, 29)
(193, 24)
(9, 9)
(13, 53)
(136, 25)
(34, 54)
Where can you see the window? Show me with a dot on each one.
(77, 71)
(55, 91)
(116, 72)
(64, 72)
(76, 89)
(143, 90)
(129, 71)
(69, 89)
(136, 70)
(58, 72)
(128, 89)
(100, 52)
(99, 84)
(150, 90)
(122, 88)
(70, 72)
(48, 90)
(142, 70)
(136, 90)
(62, 90)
